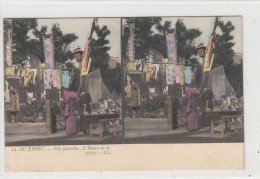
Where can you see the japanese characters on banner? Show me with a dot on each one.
(171, 44)
(48, 51)
(131, 50)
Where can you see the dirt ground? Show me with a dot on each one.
(141, 130)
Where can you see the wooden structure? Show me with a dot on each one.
(222, 116)
(50, 119)
(14, 103)
(172, 114)
(102, 120)
(135, 99)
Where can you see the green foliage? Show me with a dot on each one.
(38, 106)
(62, 43)
(142, 35)
(186, 39)
(146, 38)
(98, 49)
(21, 44)
(224, 56)
(157, 102)
(100, 57)
(223, 49)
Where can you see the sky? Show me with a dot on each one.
(81, 27)
(205, 25)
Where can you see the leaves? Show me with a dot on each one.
(186, 39)
(23, 45)
(224, 56)
(20, 38)
(99, 53)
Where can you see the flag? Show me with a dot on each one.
(171, 44)
(187, 74)
(42, 68)
(131, 50)
(85, 67)
(85, 64)
(164, 61)
(128, 86)
(170, 74)
(131, 66)
(149, 70)
(48, 52)
(211, 44)
(27, 76)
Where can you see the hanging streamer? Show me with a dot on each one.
(164, 61)
(9, 70)
(48, 52)
(128, 86)
(171, 44)
(65, 79)
(149, 70)
(177, 72)
(6, 90)
(131, 66)
(131, 50)
(187, 74)
(85, 72)
(170, 74)
(209, 57)
(47, 79)
(27, 76)
(42, 68)
(182, 78)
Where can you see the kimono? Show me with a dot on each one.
(192, 115)
(70, 119)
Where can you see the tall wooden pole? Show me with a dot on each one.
(208, 54)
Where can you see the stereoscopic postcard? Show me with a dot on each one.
(159, 93)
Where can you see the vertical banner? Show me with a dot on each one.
(187, 74)
(86, 61)
(85, 66)
(8, 41)
(48, 52)
(171, 44)
(170, 74)
(182, 79)
(128, 86)
(164, 62)
(211, 45)
(149, 70)
(131, 50)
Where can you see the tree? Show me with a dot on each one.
(142, 35)
(186, 39)
(20, 38)
(147, 38)
(62, 43)
(100, 57)
(224, 56)
(223, 52)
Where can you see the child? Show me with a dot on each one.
(101, 108)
